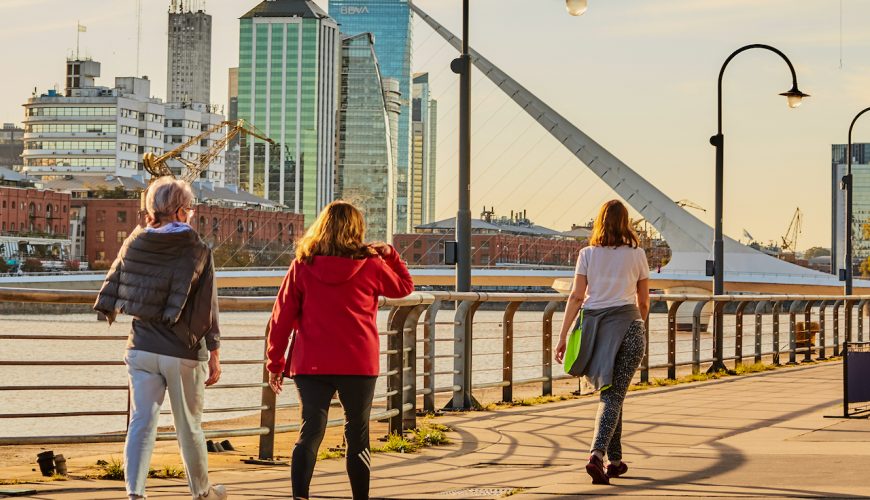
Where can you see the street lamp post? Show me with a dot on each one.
(717, 266)
(846, 185)
(462, 66)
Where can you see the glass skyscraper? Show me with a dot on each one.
(421, 184)
(288, 88)
(364, 169)
(391, 23)
(860, 205)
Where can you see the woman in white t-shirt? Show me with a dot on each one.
(611, 285)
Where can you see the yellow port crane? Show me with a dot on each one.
(789, 241)
(157, 167)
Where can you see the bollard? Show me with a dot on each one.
(547, 349)
(268, 416)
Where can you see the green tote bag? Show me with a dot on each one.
(572, 350)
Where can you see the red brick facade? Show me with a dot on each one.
(34, 211)
(427, 249)
(108, 222)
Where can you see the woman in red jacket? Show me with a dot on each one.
(329, 302)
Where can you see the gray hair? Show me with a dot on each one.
(165, 196)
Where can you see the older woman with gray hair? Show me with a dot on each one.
(164, 278)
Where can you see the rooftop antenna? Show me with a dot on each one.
(841, 34)
(138, 32)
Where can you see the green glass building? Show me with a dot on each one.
(288, 88)
(365, 169)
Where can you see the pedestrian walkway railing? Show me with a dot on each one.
(429, 361)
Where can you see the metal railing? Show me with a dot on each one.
(415, 364)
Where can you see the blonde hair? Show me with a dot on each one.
(612, 227)
(165, 196)
(339, 231)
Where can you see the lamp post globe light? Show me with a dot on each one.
(716, 267)
(846, 185)
(462, 67)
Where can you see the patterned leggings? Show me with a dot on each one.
(608, 424)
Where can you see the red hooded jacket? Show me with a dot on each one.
(332, 304)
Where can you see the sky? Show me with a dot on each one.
(638, 76)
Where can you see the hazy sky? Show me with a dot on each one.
(639, 76)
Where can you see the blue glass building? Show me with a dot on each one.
(391, 23)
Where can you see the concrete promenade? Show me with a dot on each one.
(756, 436)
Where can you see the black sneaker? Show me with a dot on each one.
(616, 470)
(595, 468)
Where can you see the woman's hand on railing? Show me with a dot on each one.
(560, 349)
(276, 382)
(214, 367)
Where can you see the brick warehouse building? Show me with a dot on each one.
(494, 241)
(110, 221)
(27, 210)
(104, 212)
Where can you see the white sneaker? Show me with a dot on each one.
(217, 492)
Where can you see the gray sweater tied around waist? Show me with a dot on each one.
(602, 333)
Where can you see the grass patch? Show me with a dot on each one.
(114, 471)
(428, 434)
(330, 454)
(167, 472)
(53, 477)
(535, 401)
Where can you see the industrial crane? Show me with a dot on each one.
(789, 241)
(157, 167)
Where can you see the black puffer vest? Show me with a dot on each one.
(152, 279)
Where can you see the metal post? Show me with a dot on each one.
(547, 348)
(696, 336)
(792, 332)
(672, 339)
(836, 317)
(822, 334)
(776, 308)
(395, 367)
(267, 416)
(808, 320)
(718, 141)
(644, 363)
(462, 66)
(507, 367)
(462, 377)
(718, 338)
(759, 317)
(738, 335)
(847, 323)
(429, 334)
(409, 367)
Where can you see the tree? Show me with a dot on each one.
(231, 254)
(816, 252)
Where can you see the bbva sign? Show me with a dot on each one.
(351, 10)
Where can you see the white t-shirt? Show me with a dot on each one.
(612, 275)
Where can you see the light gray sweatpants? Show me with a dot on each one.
(150, 376)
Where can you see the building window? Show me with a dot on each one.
(13, 227)
(101, 255)
(101, 216)
(280, 233)
(4, 203)
(418, 244)
(215, 225)
(240, 227)
(250, 226)
(13, 205)
(122, 216)
(122, 235)
(101, 236)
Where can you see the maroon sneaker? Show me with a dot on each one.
(616, 470)
(595, 468)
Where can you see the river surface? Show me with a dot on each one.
(487, 363)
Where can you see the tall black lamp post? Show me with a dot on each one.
(846, 185)
(462, 67)
(462, 247)
(716, 267)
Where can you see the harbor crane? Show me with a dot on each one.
(157, 165)
(789, 240)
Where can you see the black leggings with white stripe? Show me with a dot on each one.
(315, 393)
